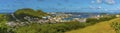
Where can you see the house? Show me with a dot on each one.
(80, 19)
(117, 15)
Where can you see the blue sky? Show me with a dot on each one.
(61, 5)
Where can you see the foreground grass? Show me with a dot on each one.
(102, 27)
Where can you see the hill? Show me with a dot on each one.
(27, 12)
(102, 27)
(30, 12)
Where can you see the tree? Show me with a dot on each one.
(3, 26)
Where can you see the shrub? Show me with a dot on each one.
(116, 26)
(95, 20)
(50, 28)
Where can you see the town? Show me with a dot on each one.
(58, 17)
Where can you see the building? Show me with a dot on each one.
(80, 19)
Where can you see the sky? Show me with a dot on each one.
(62, 5)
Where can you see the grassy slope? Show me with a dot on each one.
(102, 27)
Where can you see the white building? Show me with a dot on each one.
(80, 19)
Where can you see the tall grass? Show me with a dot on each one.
(116, 26)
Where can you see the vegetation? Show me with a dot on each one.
(102, 27)
(20, 13)
(50, 28)
(116, 26)
(95, 20)
(42, 28)
(55, 28)
(3, 27)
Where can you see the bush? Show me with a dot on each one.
(92, 20)
(3, 27)
(116, 26)
(50, 28)
(95, 20)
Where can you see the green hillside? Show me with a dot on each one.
(29, 12)
(21, 13)
(102, 27)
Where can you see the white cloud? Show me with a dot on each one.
(96, 1)
(92, 1)
(106, 9)
(117, 8)
(99, 1)
(106, 1)
(92, 7)
(99, 7)
(110, 1)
